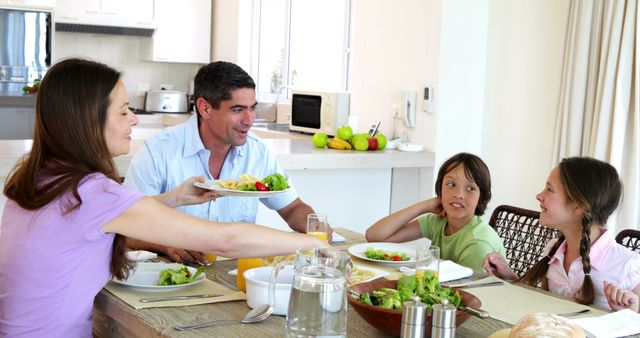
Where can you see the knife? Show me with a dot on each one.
(478, 285)
(162, 299)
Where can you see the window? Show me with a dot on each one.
(301, 44)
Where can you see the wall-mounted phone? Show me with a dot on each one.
(409, 108)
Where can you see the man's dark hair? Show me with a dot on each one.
(215, 82)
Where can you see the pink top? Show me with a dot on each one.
(52, 265)
(610, 261)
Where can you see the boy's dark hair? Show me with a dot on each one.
(215, 82)
(475, 170)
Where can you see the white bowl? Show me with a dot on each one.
(258, 288)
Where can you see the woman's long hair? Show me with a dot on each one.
(594, 186)
(68, 142)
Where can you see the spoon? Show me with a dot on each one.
(258, 314)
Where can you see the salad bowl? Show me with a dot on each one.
(390, 321)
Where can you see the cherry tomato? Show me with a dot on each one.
(261, 187)
(396, 258)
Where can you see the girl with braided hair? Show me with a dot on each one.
(585, 262)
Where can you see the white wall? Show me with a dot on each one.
(524, 61)
(122, 53)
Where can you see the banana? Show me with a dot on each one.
(346, 144)
(340, 144)
(336, 144)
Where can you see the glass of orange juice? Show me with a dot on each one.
(317, 226)
(211, 257)
(245, 264)
(427, 259)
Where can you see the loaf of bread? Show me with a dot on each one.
(542, 325)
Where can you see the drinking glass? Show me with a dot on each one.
(211, 257)
(427, 259)
(317, 226)
(245, 264)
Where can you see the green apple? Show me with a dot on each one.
(345, 132)
(360, 143)
(357, 136)
(382, 141)
(320, 140)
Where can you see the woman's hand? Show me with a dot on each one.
(620, 298)
(495, 264)
(187, 193)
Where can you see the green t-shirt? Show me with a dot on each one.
(469, 246)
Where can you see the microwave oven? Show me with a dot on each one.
(313, 112)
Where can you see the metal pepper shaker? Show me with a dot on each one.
(443, 324)
(414, 317)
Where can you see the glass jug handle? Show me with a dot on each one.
(273, 280)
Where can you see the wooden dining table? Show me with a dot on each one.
(114, 318)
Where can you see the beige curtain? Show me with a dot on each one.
(598, 111)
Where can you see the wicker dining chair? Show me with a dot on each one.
(629, 238)
(523, 237)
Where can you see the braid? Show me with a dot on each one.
(537, 272)
(586, 294)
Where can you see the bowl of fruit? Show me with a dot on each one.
(380, 301)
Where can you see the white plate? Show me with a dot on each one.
(358, 251)
(213, 185)
(145, 277)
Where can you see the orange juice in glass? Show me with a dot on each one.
(245, 264)
(317, 226)
(211, 257)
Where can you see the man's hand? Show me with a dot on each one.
(186, 256)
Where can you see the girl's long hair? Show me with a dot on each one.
(68, 142)
(594, 186)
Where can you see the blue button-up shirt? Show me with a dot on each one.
(177, 153)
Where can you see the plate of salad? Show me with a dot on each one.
(384, 253)
(248, 186)
(162, 276)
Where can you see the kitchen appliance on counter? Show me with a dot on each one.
(313, 112)
(166, 101)
(26, 47)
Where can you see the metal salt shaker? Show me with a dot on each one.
(414, 317)
(443, 324)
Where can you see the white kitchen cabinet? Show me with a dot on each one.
(121, 13)
(28, 4)
(183, 32)
(16, 123)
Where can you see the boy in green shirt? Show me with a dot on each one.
(452, 219)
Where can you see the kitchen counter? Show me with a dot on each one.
(17, 99)
(295, 151)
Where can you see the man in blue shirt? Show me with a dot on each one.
(215, 143)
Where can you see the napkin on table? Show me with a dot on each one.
(337, 238)
(141, 255)
(131, 295)
(448, 271)
(616, 324)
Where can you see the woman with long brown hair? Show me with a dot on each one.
(66, 212)
(585, 262)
